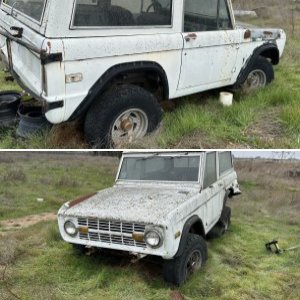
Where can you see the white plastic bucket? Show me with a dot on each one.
(226, 98)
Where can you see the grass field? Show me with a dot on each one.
(267, 119)
(36, 264)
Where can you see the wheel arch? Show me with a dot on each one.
(193, 225)
(268, 50)
(117, 71)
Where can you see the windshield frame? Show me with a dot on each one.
(159, 154)
(22, 17)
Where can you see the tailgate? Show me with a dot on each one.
(25, 63)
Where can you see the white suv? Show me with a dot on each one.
(162, 204)
(113, 62)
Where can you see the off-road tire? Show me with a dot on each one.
(223, 224)
(174, 270)
(264, 65)
(104, 112)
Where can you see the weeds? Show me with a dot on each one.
(14, 175)
(66, 181)
(9, 252)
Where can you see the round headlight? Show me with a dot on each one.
(70, 228)
(153, 239)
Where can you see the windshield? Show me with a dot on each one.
(160, 168)
(32, 8)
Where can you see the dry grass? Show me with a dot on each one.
(13, 175)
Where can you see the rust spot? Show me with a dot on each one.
(81, 199)
(268, 33)
(49, 46)
(177, 234)
(247, 34)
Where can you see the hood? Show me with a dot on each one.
(149, 205)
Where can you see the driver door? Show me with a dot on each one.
(210, 45)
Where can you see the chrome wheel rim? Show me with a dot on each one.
(256, 80)
(194, 263)
(130, 125)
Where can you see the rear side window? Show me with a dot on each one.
(225, 162)
(31, 8)
(118, 13)
(210, 173)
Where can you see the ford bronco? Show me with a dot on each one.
(112, 63)
(162, 204)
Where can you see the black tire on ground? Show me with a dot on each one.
(179, 269)
(103, 114)
(79, 249)
(223, 224)
(263, 75)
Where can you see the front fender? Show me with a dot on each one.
(186, 229)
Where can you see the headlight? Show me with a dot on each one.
(153, 238)
(70, 228)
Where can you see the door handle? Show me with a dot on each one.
(18, 31)
(190, 36)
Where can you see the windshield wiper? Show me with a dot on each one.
(148, 157)
(167, 157)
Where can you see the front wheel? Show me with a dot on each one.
(121, 116)
(259, 76)
(179, 269)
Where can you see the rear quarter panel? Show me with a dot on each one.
(94, 56)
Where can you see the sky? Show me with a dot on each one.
(268, 154)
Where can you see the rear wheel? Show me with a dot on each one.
(260, 75)
(121, 116)
(179, 269)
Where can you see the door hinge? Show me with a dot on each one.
(47, 58)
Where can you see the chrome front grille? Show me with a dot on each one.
(111, 232)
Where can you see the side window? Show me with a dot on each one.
(225, 162)
(224, 21)
(206, 15)
(210, 172)
(118, 13)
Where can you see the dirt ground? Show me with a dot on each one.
(21, 223)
